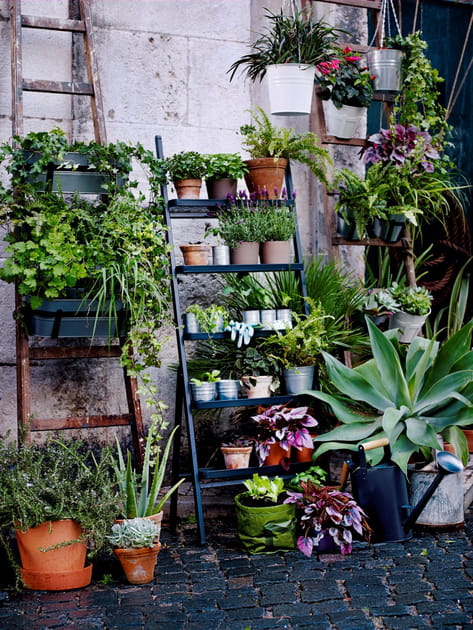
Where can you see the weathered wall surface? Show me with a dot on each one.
(163, 70)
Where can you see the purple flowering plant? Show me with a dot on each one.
(325, 510)
(286, 425)
(401, 144)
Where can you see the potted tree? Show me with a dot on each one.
(185, 170)
(136, 545)
(265, 523)
(288, 53)
(60, 500)
(270, 147)
(222, 172)
(347, 90)
(328, 519)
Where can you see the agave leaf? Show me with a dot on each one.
(158, 476)
(418, 360)
(131, 504)
(457, 438)
(353, 384)
(401, 452)
(392, 424)
(464, 418)
(420, 432)
(450, 352)
(447, 387)
(354, 432)
(343, 409)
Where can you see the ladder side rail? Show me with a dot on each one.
(16, 68)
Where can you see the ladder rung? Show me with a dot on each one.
(52, 24)
(81, 422)
(351, 142)
(65, 352)
(361, 4)
(58, 87)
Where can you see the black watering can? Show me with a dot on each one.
(382, 492)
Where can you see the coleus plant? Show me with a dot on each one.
(325, 510)
(286, 425)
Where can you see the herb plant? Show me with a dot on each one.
(414, 300)
(185, 165)
(262, 487)
(223, 165)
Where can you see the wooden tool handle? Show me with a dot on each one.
(369, 446)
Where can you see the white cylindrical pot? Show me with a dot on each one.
(252, 317)
(284, 317)
(409, 325)
(191, 324)
(344, 122)
(268, 318)
(445, 508)
(298, 379)
(385, 64)
(220, 255)
(227, 389)
(290, 88)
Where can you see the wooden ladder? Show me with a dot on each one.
(317, 124)
(79, 22)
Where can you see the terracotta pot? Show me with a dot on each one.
(221, 188)
(469, 438)
(236, 456)
(245, 254)
(275, 252)
(56, 580)
(188, 188)
(138, 564)
(265, 176)
(49, 534)
(261, 389)
(195, 254)
(276, 454)
(305, 453)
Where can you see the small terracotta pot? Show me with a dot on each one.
(138, 564)
(276, 454)
(236, 456)
(245, 254)
(197, 254)
(275, 252)
(305, 453)
(188, 188)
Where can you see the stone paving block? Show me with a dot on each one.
(278, 593)
(314, 622)
(388, 611)
(405, 623)
(234, 614)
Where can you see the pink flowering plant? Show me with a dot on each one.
(324, 510)
(286, 425)
(344, 81)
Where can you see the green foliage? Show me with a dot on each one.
(414, 300)
(207, 377)
(222, 165)
(185, 165)
(278, 223)
(140, 492)
(344, 81)
(262, 487)
(406, 395)
(247, 292)
(210, 318)
(262, 139)
(58, 480)
(315, 474)
(289, 39)
(134, 533)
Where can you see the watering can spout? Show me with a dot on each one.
(448, 464)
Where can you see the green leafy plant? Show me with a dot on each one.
(223, 165)
(134, 533)
(408, 396)
(185, 165)
(262, 139)
(262, 487)
(289, 39)
(315, 474)
(140, 492)
(207, 377)
(240, 220)
(210, 319)
(415, 300)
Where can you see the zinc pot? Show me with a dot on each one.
(298, 379)
(221, 188)
(188, 188)
(204, 393)
(251, 316)
(275, 252)
(385, 64)
(290, 87)
(236, 456)
(390, 229)
(267, 529)
(197, 254)
(245, 254)
(445, 507)
(138, 564)
(220, 255)
(409, 325)
(191, 324)
(268, 318)
(265, 176)
(344, 122)
(261, 389)
(284, 317)
(346, 228)
(228, 389)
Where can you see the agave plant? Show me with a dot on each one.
(409, 396)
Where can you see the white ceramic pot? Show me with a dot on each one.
(290, 88)
(260, 389)
(344, 122)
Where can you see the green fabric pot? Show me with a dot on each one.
(266, 529)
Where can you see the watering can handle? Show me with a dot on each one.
(367, 446)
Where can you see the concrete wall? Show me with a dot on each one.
(163, 70)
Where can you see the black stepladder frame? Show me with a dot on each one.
(177, 209)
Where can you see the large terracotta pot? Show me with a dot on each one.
(138, 564)
(275, 252)
(188, 188)
(265, 176)
(305, 453)
(236, 456)
(276, 454)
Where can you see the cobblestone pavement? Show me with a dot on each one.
(424, 582)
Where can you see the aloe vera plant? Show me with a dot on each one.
(409, 396)
(142, 491)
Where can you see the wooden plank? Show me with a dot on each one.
(16, 68)
(361, 4)
(52, 24)
(80, 422)
(64, 352)
(351, 142)
(366, 242)
(58, 87)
